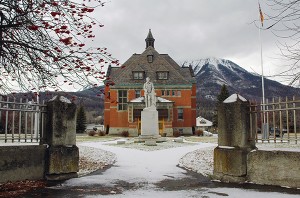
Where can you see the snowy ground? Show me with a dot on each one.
(199, 160)
(151, 162)
(153, 171)
(92, 159)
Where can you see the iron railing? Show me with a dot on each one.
(21, 121)
(282, 120)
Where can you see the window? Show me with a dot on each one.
(150, 58)
(138, 75)
(162, 75)
(122, 100)
(180, 114)
(137, 93)
(202, 122)
(174, 93)
(163, 114)
(180, 131)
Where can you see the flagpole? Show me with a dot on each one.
(265, 128)
(262, 76)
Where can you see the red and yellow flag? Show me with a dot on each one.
(261, 16)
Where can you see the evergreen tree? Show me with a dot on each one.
(220, 98)
(81, 120)
(223, 94)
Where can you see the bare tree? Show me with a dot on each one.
(43, 44)
(284, 22)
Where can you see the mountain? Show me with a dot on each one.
(212, 73)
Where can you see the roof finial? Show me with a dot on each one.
(149, 40)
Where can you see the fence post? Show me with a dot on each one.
(234, 140)
(63, 154)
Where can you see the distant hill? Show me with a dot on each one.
(91, 98)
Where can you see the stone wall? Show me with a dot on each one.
(185, 130)
(236, 158)
(230, 164)
(281, 168)
(56, 159)
(22, 162)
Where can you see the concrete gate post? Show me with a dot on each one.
(234, 142)
(62, 154)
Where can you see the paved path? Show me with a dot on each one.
(152, 174)
(146, 166)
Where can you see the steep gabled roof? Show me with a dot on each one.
(161, 62)
(138, 68)
(162, 68)
(123, 76)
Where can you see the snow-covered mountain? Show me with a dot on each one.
(212, 73)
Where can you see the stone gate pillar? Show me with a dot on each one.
(234, 142)
(62, 154)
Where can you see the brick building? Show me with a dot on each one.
(175, 89)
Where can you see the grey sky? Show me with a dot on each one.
(188, 30)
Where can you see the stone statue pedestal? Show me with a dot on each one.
(149, 122)
(149, 126)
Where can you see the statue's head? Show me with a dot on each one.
(147, 79)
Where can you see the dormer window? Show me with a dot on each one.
(164, 75)
(150, 58)
(138, 75)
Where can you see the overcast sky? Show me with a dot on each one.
(189, 30)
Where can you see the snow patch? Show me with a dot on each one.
(62, 99)
(141, 99)
(234, 98)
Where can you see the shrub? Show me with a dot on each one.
(101, 133)
(125, 133)
(92, 133)
(199, 132)
(176, 133)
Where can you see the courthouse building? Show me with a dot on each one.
(175, 89)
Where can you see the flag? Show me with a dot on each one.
(261, 16)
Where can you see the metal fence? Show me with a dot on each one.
(21, 121)
(276, 121)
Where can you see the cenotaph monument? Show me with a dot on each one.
(149, 115)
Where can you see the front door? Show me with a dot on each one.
(161, 126)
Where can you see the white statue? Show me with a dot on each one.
(150, 99)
